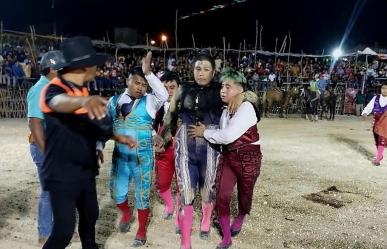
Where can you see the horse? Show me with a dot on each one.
(310, 102)
(283, 98)
(328, 103)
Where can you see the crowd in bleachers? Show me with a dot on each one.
(19, 70)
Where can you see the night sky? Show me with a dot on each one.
(314, 24)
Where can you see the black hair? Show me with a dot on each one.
(384, 83)
(170, 76)
(45, 71)
(204, 56)
(137, 71)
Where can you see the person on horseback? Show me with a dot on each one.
(312, 97)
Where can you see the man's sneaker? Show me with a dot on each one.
(138, 242)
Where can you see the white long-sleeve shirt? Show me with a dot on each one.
(154, 100)
(370, 106)
(233, 128)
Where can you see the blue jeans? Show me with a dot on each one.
(44, 209)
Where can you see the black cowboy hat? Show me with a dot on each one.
(79, 52)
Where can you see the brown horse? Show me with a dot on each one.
(281, 97)
(328, 103)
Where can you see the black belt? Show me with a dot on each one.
(229, 148)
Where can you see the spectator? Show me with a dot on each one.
(18, 74)
(360, 102)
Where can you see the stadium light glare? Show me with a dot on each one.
(337, 53)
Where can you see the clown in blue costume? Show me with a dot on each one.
(132, 112)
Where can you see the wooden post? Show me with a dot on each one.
(33, 49)
(302, 69)
(283, 46)
(107, 36)
(193, 41)
(260, 38)
(147, 41)
(224, 51)
(1, 35)
(290, 44)
(256, 41)
(239, 53)
(357, 54)
(275, 50)
(176, 36)
(365, 76)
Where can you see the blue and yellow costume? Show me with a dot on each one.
(134, 117)
(134, 163)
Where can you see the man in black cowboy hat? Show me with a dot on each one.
(74, 123)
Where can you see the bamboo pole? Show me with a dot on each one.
(239, 53)
(290, 44)
(224, 51)
(275, 50)
(244, 45)
(193, 41)
(176, 35)
(1, 35)
(260, 38)
(256, 41)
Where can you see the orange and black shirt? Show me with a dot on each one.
(70, 137)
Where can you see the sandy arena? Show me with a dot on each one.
(317, 189)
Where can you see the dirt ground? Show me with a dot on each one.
(317, 189)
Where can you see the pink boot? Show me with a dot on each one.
(224, 222)
(206, 220)
(177, 225)
(236, 226)
(185, 221)
(168, 202)
(379, 155)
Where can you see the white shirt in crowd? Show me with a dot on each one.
(154, 100)
(171, 60)
(272, 77)
(233, 128)
(370, 106)
(218, 65)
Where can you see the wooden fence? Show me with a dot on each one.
(13, 102)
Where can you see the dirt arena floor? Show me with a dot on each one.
(317, 189)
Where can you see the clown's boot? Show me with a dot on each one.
(185, 221)
(126, 217)
(206, 220)
(236, 226)
(379, 155)
(177, 225)
(168, 203)
(143, 220)
(224, 222)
